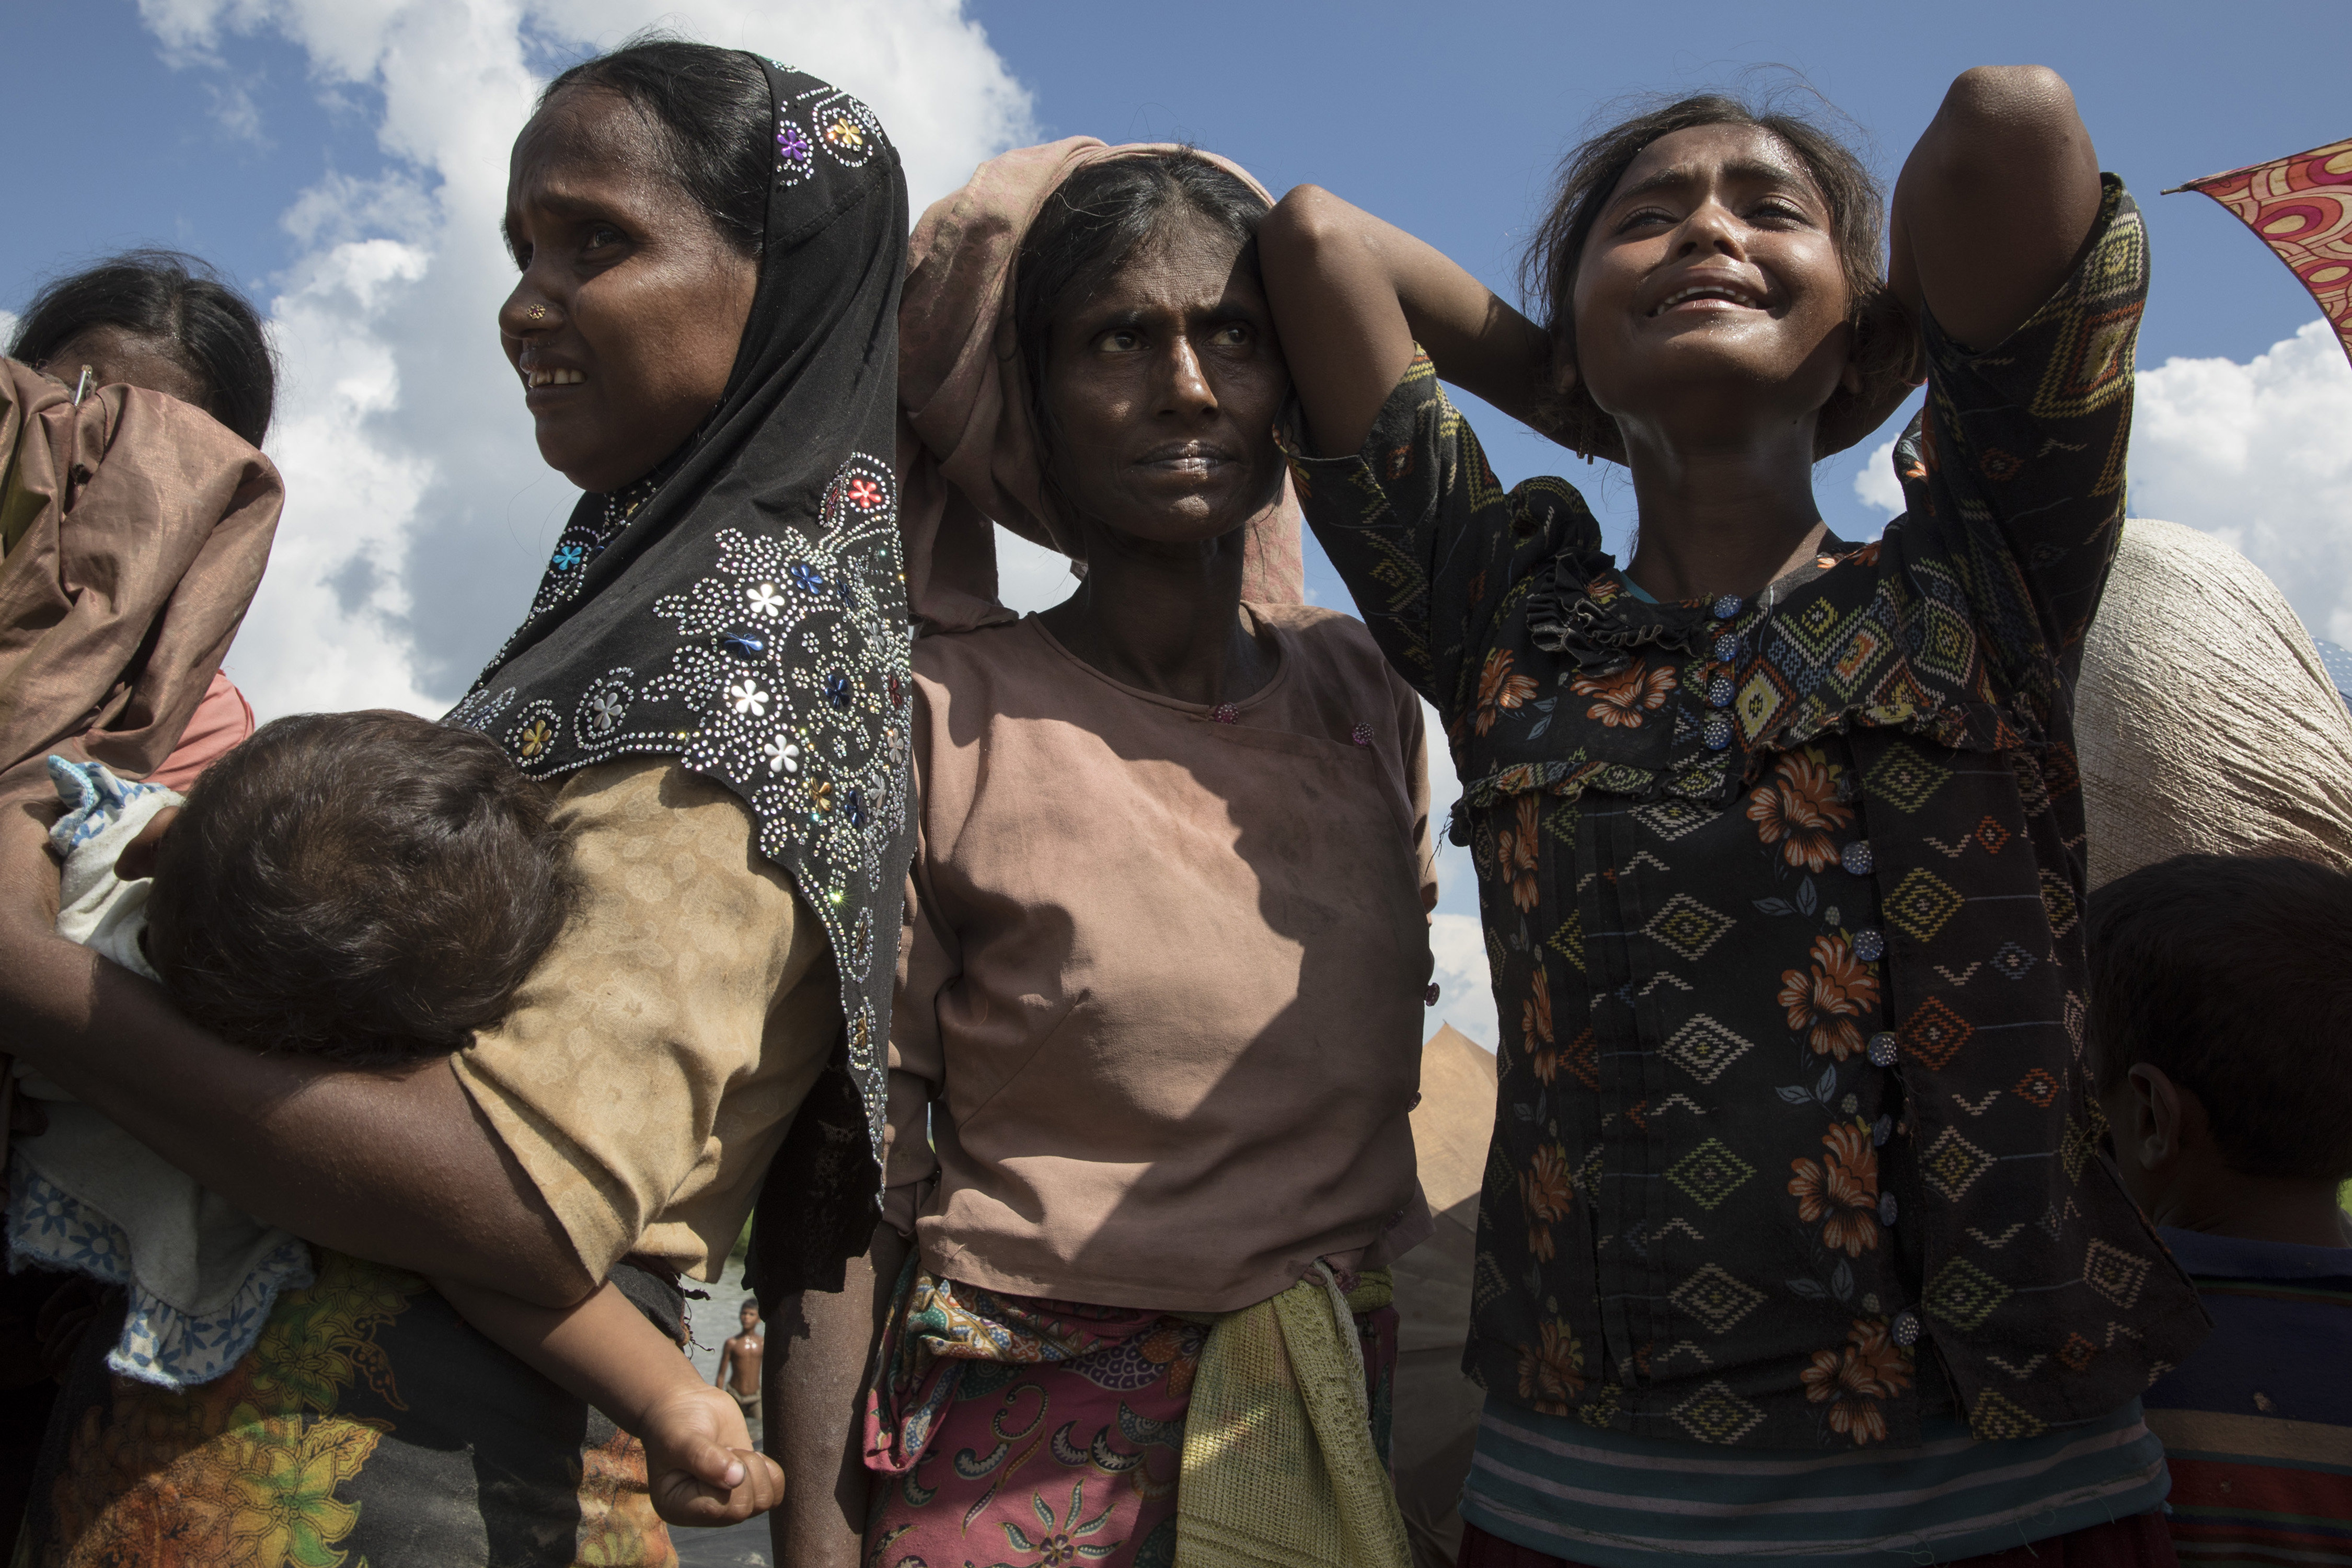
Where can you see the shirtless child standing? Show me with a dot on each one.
(740, 1355)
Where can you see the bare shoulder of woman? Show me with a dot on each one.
(1995, 203)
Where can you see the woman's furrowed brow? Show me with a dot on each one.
(1739, 171)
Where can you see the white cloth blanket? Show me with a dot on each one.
(87, 1198)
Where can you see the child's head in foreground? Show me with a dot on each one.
(2221, 1025)
(371, 886)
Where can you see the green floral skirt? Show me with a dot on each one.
(369, 1427)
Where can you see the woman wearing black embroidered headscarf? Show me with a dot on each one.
(714, 670)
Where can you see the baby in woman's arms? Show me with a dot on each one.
(369, 887)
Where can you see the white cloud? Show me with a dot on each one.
(7, 325)
(237, 113)
(1030, 576)
(1465, 983)
(1457, 939)
(2259, 455)
(2256, 453)
(418, 513)
(1875, 485)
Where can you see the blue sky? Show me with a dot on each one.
(343, 161)
(1446, 118)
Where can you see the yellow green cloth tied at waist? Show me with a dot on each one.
(1260, 1417)
(1279, 1466)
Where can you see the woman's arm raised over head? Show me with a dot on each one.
(398, 1167)
(1351, 295)
(1994, 203)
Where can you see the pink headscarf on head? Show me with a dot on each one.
(967, 447)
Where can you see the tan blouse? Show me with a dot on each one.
(653, 1062)
(1161, 989)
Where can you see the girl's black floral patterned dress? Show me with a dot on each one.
(1795, 1139)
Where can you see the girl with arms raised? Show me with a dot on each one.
(1798, 1237)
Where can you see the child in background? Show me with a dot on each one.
(738, 1366)
(373, 888)
(159, 320)
(2220, 1023)
(166, 323)
(172, 511)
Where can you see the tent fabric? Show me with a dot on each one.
(2205, 720)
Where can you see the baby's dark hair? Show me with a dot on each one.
(369, 887)
(2233, 974)
(213, 331)
(1885, 339)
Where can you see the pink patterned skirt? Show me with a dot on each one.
(1014, 1432)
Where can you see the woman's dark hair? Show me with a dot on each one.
(368, 887)
(2233, 974)
(1094, 223)
(1884, 340)
(214, 332)
(710, 110)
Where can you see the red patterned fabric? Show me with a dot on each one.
(2301, 206)
(1012, 1429)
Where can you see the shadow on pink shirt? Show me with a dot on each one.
(221, 719)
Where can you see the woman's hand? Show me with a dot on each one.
(1995, 203)
(1351, 295)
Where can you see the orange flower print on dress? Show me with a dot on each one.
(1515, 848)
(1499, 689)
(1535, 1024)
(1177, 1351)
(1623, 697)
(1551, 1372)
(1798, 808)
(1853, 1380)
(1829, 998)
(1840, 1190)
(1547, 1189)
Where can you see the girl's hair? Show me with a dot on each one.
(213, 331)
(709, 111)
(1884, 340)
(1094, 223)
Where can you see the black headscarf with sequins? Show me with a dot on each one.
(745, 612)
